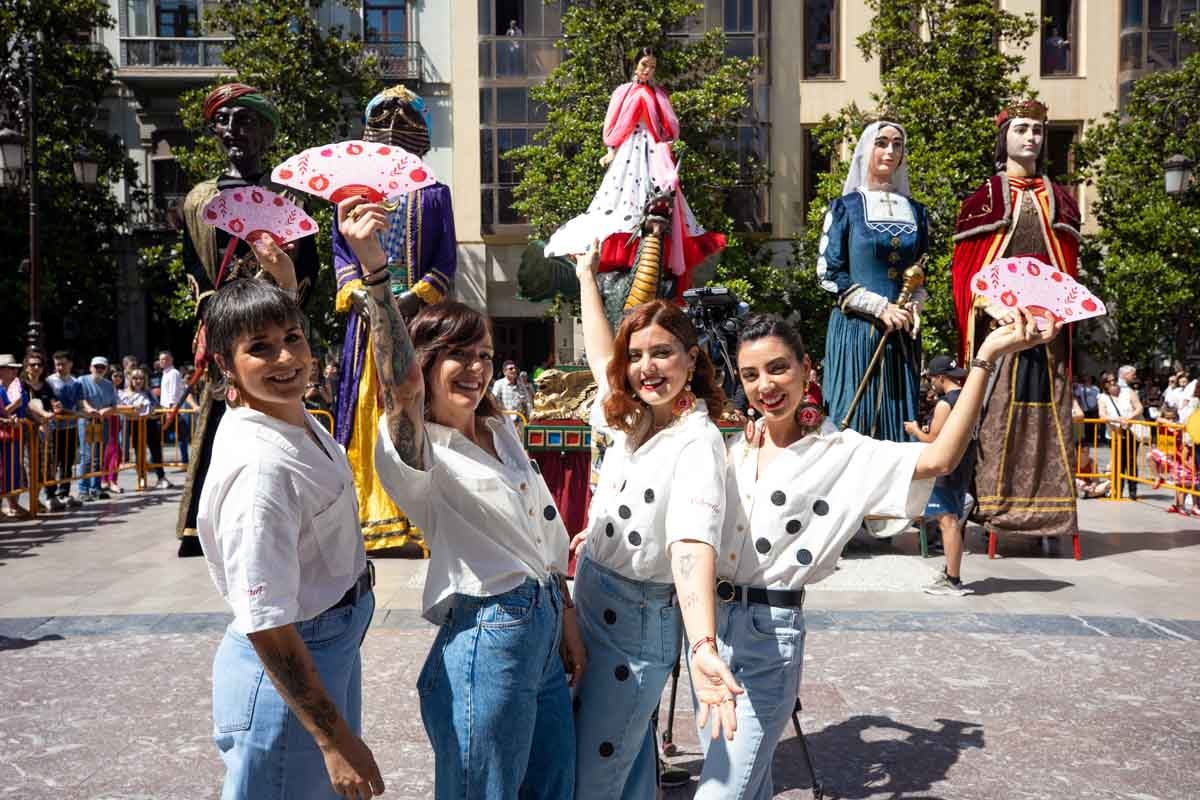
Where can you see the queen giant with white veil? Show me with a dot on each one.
(638, 130)
(872, 233)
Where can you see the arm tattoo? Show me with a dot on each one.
(686, 562)
(394, 356)
(691, 600)
(290, 674)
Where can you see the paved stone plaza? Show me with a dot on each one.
(1057, 679)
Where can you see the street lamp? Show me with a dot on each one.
(1177, 175)
(12, 156)
(86, 169)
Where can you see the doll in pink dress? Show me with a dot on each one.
(638, 130)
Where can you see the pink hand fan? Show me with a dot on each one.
(335, 172)
(1028, 282)
(248, 212)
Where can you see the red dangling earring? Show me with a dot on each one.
(686, 401)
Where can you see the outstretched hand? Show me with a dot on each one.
(275, 261)
(588, 262)
(716, 690)
(360, 222)
(1018, 331)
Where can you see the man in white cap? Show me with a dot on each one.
(97, 400)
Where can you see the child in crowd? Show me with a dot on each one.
(1172, 461)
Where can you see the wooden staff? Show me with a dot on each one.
(914, 278)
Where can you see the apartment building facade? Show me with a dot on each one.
(476, 60)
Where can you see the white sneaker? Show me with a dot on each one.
(944, 586)
(163, 483)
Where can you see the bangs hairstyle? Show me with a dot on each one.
(623, 409)
(444, 326)
(1001, 154)
(244, 307)
(760, 326)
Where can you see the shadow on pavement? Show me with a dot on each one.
(870, 756)
(1002, 585)
(17, 643)
(19, 539)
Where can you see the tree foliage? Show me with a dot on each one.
(944, 80)
(79, 226)
(319, 77)
(1147, 253)
(560, 172)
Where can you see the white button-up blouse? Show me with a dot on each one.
(489, 524)
(278, 519)
(786, 527)
(670, 488)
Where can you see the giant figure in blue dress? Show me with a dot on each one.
(872, 233)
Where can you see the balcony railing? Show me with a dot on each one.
(182, 52)
(159, 214)
(517, 57)
(397, 61)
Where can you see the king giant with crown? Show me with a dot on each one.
(1025, 472)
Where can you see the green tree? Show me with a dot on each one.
(944, 79)
(319, 77)
(79, 226)
(710, 93)
(1147, 253)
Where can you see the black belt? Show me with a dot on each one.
(781, 598)
(361, 587)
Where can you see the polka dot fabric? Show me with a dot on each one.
(786, 525)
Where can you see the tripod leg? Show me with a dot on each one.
(817, 791)
(668, 737)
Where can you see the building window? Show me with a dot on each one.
(1060, 154)
(385, 21)
(817, 162)
(821, 39)
(1059, 34)
(155, 33)
(1148, 41)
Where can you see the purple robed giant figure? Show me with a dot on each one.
(421, 250)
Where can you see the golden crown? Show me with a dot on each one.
(1025, 109)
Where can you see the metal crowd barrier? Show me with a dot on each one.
(1160, 448)
(19, 461)
(173, 427)
(325, 418)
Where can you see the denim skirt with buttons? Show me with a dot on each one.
(633, 633)
(494, 698)
(268, 753)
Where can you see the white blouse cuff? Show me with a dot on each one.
(867, 302)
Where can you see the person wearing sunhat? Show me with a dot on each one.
(13, 401)
(419, 253)
(244, 121)
(948, 500)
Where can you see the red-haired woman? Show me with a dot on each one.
(650, 548)
(494, 695)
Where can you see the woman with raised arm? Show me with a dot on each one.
(494, 694)
(650, 548)
(279, 524)
(798, 489)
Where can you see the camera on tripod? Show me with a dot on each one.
(717, 314)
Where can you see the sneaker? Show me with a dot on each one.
(163, 483)
(944, 586)
(73, 501)
(101, 494)
(55, 505)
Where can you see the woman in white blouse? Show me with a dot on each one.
(650, 547)
(798, 489)
(278, 522)
(493, 691)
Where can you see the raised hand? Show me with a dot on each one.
(275, 261)
(361, 223)
(588, 262)
(1018, 331)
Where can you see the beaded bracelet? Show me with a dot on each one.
(706, 640)
(986, 366)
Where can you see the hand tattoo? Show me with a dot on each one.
(291, 676)
(394, 357)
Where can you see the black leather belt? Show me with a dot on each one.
(361, 587)
(780, 598)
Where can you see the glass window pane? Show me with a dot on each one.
(820, 28)
(1163, 50)
(551, 20)
(485, 17)
(177, 18)
(511, 105)
(510, 57)
(487, 156)
(506, 214)
(485, 107)
(1131, 51)
(485, 59)
(1058, 151)
(1133, 13)
(731, 16)
(487, 200)
(533, 17)
(739, 47)
(509, 139)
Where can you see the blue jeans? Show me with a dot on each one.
(89, 461)
(494, 698)
(268, 754)
(633, 632)
(764, 648)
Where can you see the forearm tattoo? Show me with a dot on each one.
(394, 357)
(291, 675)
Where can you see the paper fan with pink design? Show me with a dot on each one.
(335, 172)
(1028, 282)
(248, 212)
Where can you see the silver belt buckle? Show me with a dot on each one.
(725, 591)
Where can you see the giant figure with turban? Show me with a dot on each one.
(1024, 476)
(422, 257)
(244, 121)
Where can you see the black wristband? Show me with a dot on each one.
(383, 274)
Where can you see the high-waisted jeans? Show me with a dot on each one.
(764, 648)
(633, 633)
(268, 754)
(494, 698)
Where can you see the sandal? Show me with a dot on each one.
(1173, 509)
